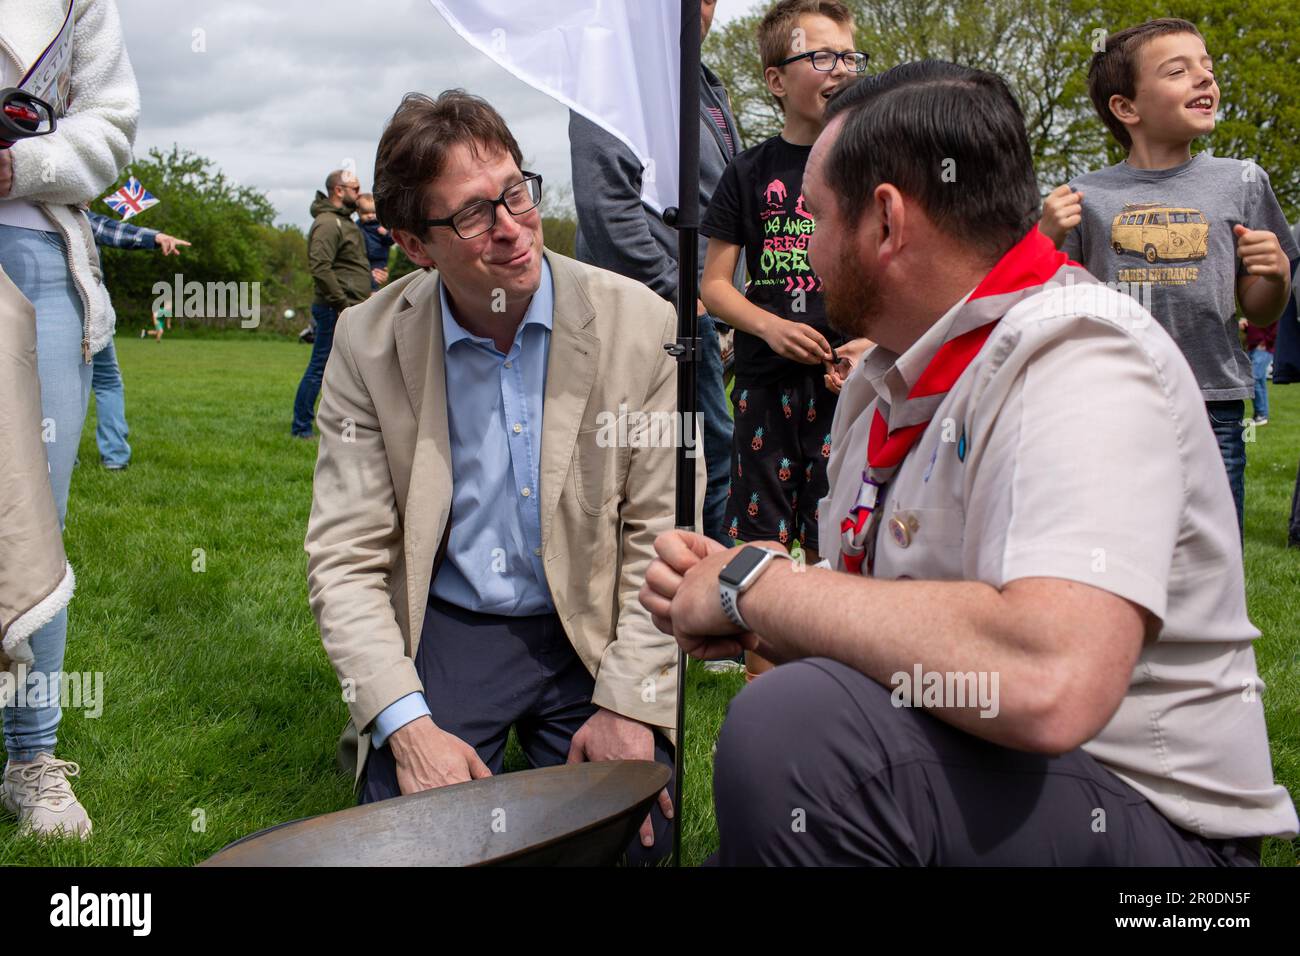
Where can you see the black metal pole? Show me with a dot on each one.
(686, 218)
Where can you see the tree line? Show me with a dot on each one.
(1041, 47)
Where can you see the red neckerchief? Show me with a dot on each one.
(1023, 271)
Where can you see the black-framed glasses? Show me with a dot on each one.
(478, 217)
(855, 61)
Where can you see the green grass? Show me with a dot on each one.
(221, 711)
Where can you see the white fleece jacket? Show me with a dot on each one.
(63, 172)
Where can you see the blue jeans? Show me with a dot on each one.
(304, 405)
(711, 403)
(1225, 419)
(1260, 360)
(110, 408)
(37, 262)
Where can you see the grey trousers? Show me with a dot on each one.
(483, 674)
(816, 766)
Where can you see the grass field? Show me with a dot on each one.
(220, 709)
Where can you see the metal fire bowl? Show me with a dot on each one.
(581, 814)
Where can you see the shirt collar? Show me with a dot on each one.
(540, 311)
(893, 375)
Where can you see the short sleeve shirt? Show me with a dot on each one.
(1076, 446)
(1165, 237)
(758, 205)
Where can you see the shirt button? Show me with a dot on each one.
(537, 551)
(507, 364)
(518, 428)
(526, 492)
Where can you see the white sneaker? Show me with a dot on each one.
(38, 791)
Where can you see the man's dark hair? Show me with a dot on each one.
(414, 147)
(332, 180)
(949, 137)
(1114, 70)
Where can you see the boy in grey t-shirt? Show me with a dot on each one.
(1190, 238)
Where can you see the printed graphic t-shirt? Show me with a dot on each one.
(1164, 237)
(758, 204)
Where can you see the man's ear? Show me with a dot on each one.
(414, 249)
(888, 224)
(1122, 108)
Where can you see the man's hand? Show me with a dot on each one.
(380, 275)
(6, 172)
(797, 341)
(1062, 211)
(427, 757)
(847, 356)
(169, 245)
(678, 552)
(1261, 253)
(610, 736)
(681, 594)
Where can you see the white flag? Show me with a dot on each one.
(616, 62)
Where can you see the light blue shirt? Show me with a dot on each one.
(493, 562)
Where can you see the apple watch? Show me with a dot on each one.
(739, 575)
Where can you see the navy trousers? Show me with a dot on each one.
(483, 674)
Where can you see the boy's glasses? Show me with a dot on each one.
(478, 217)
(855, 61)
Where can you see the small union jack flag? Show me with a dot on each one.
(131, 199)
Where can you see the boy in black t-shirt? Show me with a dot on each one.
(789, 362)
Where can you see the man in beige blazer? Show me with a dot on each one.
(487, 493)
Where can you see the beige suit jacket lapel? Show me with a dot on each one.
(570, 372)
(417, 330)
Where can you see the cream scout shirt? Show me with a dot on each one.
(1076, 446)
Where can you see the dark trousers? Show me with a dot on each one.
(711, 395)
(304, 403)
(1225, 419)
(483, 674)
(1293, 528)
(816, 766)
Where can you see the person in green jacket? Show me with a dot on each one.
(336, 253)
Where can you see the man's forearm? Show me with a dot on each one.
(881, 628)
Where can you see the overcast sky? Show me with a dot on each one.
(289, 89)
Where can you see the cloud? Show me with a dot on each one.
(281, 94)
(284, 92)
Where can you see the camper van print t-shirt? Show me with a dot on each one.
(1164, 236)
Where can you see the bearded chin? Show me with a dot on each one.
(852, 305)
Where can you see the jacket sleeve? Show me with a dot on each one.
(322, 247)
(638, 671)
(353, 539)
(92, 142)
(121, 235)
(611, 216)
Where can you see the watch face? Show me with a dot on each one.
(739, 567)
